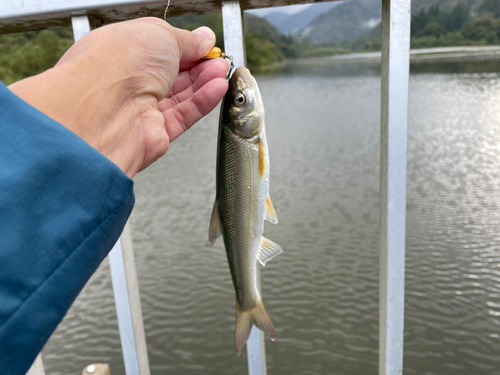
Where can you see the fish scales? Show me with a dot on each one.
(242, 200)
(241, 188)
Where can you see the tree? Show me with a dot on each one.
(424, 17)
(459, 16)
(490, 6)
(419, 21)
(480, 29)
(432, 29)
(26, 54)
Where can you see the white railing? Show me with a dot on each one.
(18, 15)
(393, 126)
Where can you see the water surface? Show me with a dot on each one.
(322, 292)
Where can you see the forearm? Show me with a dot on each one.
(85, 104)
(62, 207)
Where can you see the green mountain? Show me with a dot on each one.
(354, 19)
(291, 23)
(444, 5)
(350, 20)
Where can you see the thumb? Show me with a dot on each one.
(193, 45)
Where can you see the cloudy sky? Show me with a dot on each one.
(291, 9)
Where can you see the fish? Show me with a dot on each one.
(242, 201)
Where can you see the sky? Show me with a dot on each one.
(290, 9)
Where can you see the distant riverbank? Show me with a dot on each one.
(440, 54)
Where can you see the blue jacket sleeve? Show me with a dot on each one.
(63, 205)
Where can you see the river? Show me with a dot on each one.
(322, 292)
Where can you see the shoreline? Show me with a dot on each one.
(423, 55)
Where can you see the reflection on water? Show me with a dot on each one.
(489, 66)
(370, 65)
(322, 292)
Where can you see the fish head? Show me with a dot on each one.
(243, 110)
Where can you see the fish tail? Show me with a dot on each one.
(245, 319)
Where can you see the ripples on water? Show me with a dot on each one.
(322, 292)
(453, 301)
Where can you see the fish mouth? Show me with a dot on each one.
(243, 74)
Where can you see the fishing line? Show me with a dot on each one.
(165, 14)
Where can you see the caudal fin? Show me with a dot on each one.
(245, 319)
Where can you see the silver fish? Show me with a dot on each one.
(242, 200)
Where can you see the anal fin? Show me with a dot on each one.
(215, 229)
(268, 250)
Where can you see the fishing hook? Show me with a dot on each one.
(231, 66)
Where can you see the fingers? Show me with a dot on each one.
(181, 117)
(187, 78)
(189, 82)
(193, 45)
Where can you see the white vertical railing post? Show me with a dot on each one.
(37, 367)
(128, 305)
(124, 277)
(234, 41)
(81, 26)
(394, 118)
(234, 45)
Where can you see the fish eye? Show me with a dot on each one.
(240, 99)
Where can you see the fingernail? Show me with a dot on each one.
(206, 32)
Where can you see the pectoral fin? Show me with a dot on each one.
(215, 229)
(268, 250)
(270, 213)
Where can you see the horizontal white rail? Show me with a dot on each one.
(24, 15)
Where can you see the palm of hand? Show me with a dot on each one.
(194, 94)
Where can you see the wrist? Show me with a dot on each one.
(82, 100)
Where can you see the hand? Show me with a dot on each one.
(131, 88)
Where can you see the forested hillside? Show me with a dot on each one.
(350, 20)
(26, 54)
(445, 23)
(444, 5)
(463, 24)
